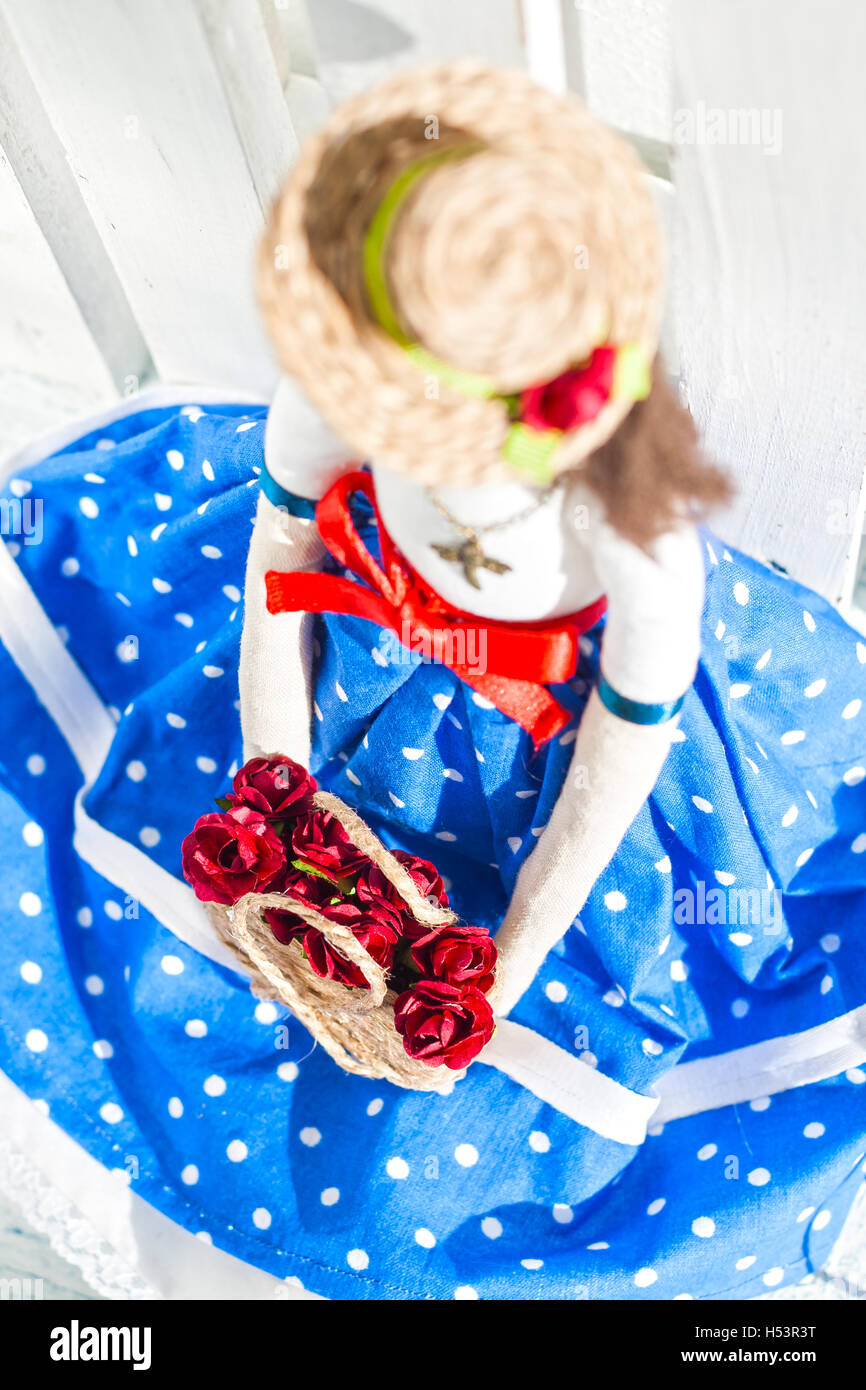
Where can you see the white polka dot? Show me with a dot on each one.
(31, 973)
(826, 984)
(36, 1040)
(413, 754)
(759, 1177)
(261, 1218)
(724, 878)
(858, 845)
(645, 1277)
(803, 857)
(739, 1008)
(702, 804)
(539, 1141)
(330, 1196)
(746, 1261)
(773, 1276)
(205, 1237)
(30, 904)
(172, 965)
(184, 619)
(195, 1028)
(556, 991)
(679, 971)
(741, 593)
(214, 1085)
(84, 917)
(69, 567)
(175, 459)
(655, 1207)
(814, 1130)
(616, 900)
(266, 1012)
(212, 672)
(88, 507)
(465, 1293)
(466, 1155)
(793, 736)
(205, 764)
(189, 1175)
(112, 910)
(856, 1076)
(358, 1259)
(562, 1213)
(175, 1107)
(94, 984)
(397, 1168)
(161, 586)
(310, 1136)
(491, 1227)
(823, 1219)
(136, 771)
(375, 1106)
(708, 1151)
(852, 709)
(149, 836)
(808, 620)
(704, 1227)
(237, 1151)
(830, 943)
(854, 776)
(816, 688)
(652, 1048)
(176, 721)
(614, 999)
(35, 764)
(425, 1238)
(288, 1071)
(210, 552)
(740, 938)
(664, 944)
(162, 500)
(739, 689)
(760, 1103)
(111, 1113)
(663, 865)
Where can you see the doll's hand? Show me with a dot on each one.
(302, 453)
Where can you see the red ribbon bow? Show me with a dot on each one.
(514, 663)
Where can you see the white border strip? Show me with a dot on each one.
(548, 1071)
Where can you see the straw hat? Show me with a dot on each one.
(448, 240)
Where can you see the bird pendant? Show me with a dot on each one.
(470, 555)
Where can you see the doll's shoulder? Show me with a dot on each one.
(302, 453)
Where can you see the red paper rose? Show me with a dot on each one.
(230, 853)
(374, 889)
(460, 955)
(377, 938)
(573, 398)
(315, 892)
(319, 839)
(442, 1024)
(277, 787)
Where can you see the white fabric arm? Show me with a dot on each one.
(304, 456)
(649, 654)
(276, 656)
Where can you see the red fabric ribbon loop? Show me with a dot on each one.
(509, 665)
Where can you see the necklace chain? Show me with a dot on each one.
(472, 532)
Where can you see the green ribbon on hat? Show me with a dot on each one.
(528, 451)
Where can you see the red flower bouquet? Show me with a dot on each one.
(335, 918)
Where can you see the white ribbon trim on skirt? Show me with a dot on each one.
(587, 1096)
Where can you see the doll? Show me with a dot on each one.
(482, 607)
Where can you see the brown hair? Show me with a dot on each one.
(651, 474)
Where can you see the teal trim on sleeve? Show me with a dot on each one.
(288, 501)
(633, 711)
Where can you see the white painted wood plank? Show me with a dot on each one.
(619, 61)
(770, 295)
(360, 43)
(135, 97)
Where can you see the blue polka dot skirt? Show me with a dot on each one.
(722, 947)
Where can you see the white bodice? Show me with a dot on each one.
(563, 554)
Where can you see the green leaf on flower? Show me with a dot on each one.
(223, 802)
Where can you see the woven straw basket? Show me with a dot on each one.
(355, 1027)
